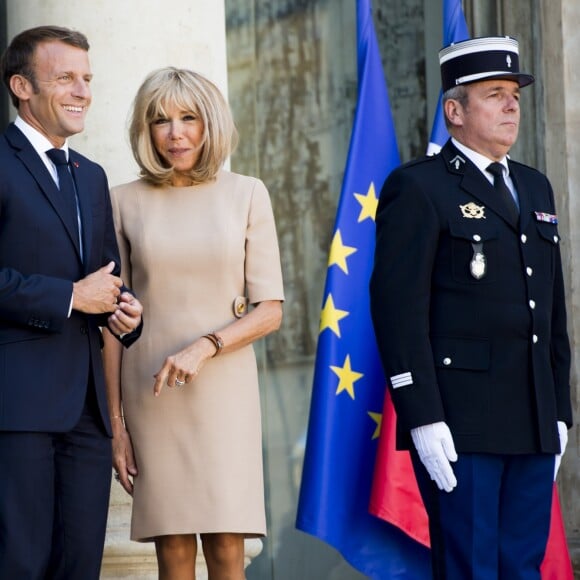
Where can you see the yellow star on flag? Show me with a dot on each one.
(347, 377)
(378, 419)
(369, 203)
(330, 316)
(339, 252)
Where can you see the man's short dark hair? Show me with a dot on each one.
(17, 58)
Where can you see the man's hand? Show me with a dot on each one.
(436, 449)
(563, 434)
(127, 317)
(97, 293)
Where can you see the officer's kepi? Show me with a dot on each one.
(478, 59)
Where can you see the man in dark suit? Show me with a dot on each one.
(59, 283)
(467, 301)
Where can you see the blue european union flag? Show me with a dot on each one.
(454, 30)
(349, 384)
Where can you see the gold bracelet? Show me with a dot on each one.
(216, 340)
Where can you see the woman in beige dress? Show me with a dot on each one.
(198, 244)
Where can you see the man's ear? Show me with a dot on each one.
(454, 112)
(21, 87)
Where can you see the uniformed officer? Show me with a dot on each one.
(467, 301)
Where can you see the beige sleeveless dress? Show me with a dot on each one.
(187, 253)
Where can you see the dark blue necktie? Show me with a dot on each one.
(66, 186)
(499, 184)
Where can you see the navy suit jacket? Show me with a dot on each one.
(46, 357)
(490, 355)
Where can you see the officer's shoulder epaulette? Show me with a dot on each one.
(419, 161)
(524, 166)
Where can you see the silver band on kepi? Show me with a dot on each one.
(478, 59)
(179, 383)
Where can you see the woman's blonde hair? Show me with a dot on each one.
(189, 91)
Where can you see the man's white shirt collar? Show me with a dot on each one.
(482, 163)
(479, 160)
(40, 144)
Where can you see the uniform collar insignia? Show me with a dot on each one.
(457, 161)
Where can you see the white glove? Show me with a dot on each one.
(435, 446)
(563, 433)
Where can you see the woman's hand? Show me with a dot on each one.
(123, 458)
(183, 367)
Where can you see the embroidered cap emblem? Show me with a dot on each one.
(472, 211)
(508, 60)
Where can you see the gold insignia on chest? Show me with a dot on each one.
(472, 211)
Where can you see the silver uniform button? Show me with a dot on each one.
(555, 239)
(524, 238)
(535, 338)
(447, 361)
(532, 304)
(529, 271)
(477, 237)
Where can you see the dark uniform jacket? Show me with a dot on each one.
(469, 310)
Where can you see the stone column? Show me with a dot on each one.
(128, 40)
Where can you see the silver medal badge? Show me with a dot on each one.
(478, 264)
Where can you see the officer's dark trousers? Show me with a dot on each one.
(494, 525)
